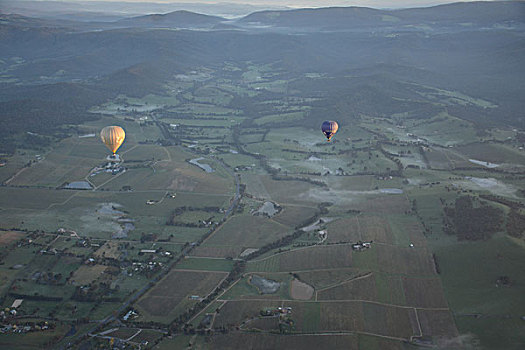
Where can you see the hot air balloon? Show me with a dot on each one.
(112, 136)
(329, 128)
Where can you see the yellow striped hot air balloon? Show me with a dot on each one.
(113, 137)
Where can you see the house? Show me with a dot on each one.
(17, 303)
(131, 314)
(359, 246)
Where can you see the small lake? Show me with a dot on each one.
(267, 208)
(391, 190)
(204, 167)
(483, 163)
(79, 185)
(316, 225)
(125, 228)
(265, 286)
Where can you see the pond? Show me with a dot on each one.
(79, 185)
(268, 208)
(483, 163)
(391, 190)
(265, 286)
(204, 167)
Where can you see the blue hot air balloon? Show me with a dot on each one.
(329, 128)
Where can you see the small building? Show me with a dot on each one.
(150, 251)
(359, 246)
(17, 303)
(130, 314)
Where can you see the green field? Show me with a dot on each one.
(167, 239)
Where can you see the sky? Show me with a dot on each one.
(304, 3)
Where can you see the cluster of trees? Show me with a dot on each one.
(93, 292)
(35, 296)
(43, 110)
(49, 278)
(472, 222)
(516, 224)
(172, 220)
(286, 240)
(180, 323)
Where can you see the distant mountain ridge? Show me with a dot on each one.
(465, 14)
(455, 16)
(475, 48)
(180, 18)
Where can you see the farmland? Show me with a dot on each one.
(228, 221)
(167, 298)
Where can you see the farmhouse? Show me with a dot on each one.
(359, 246)
(17, 303)
(151, 251)
(131, 313)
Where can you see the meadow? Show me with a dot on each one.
(385, 178)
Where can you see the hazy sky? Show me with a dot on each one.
(305, 3)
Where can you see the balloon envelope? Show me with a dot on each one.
(113, 137)
(329, 128)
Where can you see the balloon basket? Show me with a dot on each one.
(113, 158)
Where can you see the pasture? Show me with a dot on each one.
(259, 341)
(33, 340)
(301, 259)
(377, 298)
(343, 316)
(493, 153)
(245, 289)
(294, 215)
(205, 264)
(242, 232)
(171, 295)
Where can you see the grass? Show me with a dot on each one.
(494, 153)
(171, 295)
(494, 333)
(276, 118)
(32, 340)
(387, 320)
(359, 289)
(192, 263)
(258, 341)
(471, 288)
(175, 342)
(247, 231)
(312, 258)
(401, 275)
(24, 198)
(309, 318)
